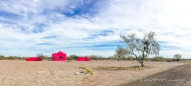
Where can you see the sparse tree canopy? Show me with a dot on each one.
(41, 56)
(120, 52)
(143, 47)
(177, 57)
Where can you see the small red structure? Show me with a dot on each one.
(83, 59)
(33, 59)
(59, 56)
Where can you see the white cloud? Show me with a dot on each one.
(169, 19)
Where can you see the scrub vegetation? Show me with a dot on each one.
(96, 57)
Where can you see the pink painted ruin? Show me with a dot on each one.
(33, 59)
(59, 56)
(83, 59)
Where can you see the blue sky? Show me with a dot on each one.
(91, 27)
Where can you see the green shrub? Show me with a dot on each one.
(170, 60)
(158, 58)
(23, 58)
(47, 58)
(111, 58)
(11, 58)
(73, 57)
(41, 56)
(96, 57)
(2, 57)
(69, 58)
(130, 58)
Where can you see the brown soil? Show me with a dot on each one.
(50, 73)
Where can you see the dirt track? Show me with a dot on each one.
(179, 76)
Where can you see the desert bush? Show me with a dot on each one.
(69, 58)
(47, 58)
(17, 57)
(111, 58)
(23, 58)
(158, 58)
(2, 57)
(11, 58)
(41, 56)
(170, 60)
(95, 57)
(102, 58)
(73, 57)
(130, 58)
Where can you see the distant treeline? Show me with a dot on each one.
(95, 57)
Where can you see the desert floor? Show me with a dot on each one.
(51, 73)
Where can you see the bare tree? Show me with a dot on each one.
(143, 47)
(177, 57)
(41, 56)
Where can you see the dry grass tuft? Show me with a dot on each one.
(125, 68)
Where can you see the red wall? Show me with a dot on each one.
(83, 59)
(33, 59)
(55, 56)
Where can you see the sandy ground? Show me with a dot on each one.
(50, 73)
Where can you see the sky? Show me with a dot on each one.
(92, 27)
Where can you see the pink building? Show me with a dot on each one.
(59, 56)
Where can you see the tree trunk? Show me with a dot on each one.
(142, 65)
(118, 58)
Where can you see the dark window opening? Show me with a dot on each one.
(60, 57)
